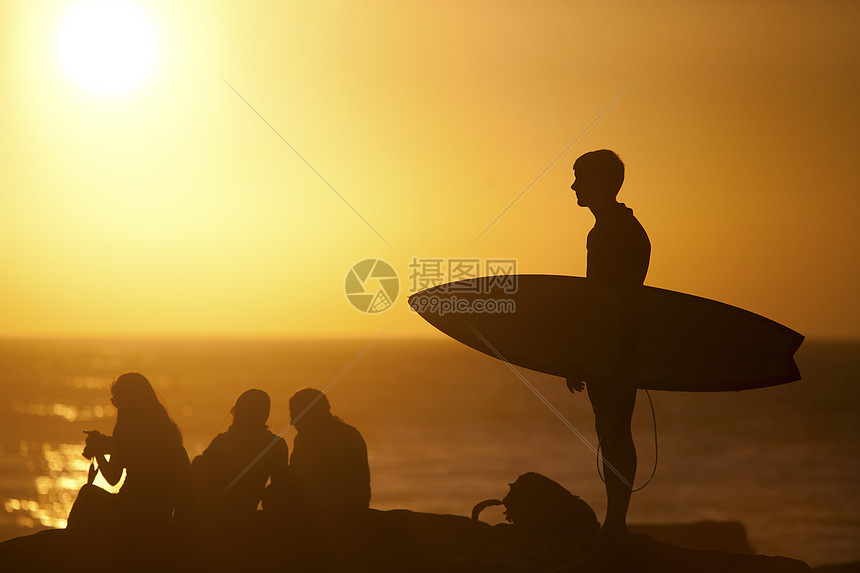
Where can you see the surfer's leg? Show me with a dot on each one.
(613, 411)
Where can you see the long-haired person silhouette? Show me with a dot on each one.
(145, 443)
(230, 476)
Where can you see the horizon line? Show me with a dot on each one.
(432, 336)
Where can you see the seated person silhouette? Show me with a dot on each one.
(145, 443)
(230, 476)
(618, 255)
(329, 474)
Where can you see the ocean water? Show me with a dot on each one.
(447, 427)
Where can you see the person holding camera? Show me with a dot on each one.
(147, 445)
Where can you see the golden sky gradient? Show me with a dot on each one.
(173, 209)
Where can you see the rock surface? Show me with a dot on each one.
(396, 540)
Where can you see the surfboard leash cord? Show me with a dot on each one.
(653, 471)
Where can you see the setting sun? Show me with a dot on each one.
(108, 47)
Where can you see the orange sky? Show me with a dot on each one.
(173, 209)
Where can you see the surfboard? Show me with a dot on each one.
(566, 325)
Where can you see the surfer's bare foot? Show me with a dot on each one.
(612, 534)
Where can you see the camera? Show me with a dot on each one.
(96, 444)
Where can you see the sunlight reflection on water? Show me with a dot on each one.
(61, 473)
(68, 412)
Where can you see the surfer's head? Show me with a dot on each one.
(598, 177)
(309, 407)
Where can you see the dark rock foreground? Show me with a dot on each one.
(396, 541)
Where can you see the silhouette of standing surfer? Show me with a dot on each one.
(618, 255)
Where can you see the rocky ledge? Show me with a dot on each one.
(399, 540)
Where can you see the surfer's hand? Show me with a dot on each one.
(575, 385)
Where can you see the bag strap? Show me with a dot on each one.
(479, 507)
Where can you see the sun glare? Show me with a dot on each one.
(108, 46)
